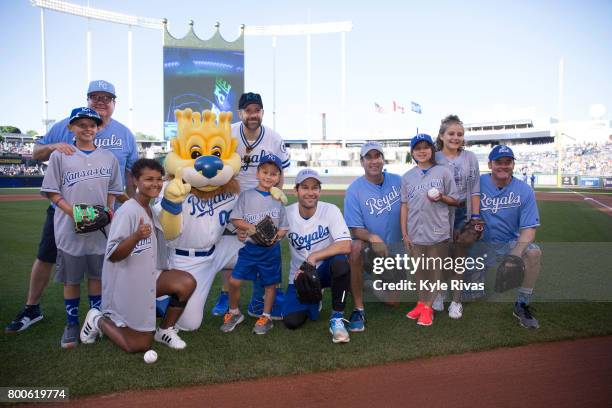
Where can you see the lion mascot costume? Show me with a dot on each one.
(196, 203)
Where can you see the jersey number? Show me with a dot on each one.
(224, 217)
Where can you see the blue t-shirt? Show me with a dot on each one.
(508, 210)
(375, 207)
(114, 137)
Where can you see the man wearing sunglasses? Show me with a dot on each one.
(112, 136)
(254, 142)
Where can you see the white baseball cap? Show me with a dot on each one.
(371, 146)
(306, 174)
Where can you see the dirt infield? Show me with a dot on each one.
(21, 197)
(563, 374)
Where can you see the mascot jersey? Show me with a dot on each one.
(204, 220)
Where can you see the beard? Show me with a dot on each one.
(252, 124)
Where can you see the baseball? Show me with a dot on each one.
(433, 193)
(150, 357)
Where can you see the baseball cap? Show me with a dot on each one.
(271, 158)
(87, 113)
(101, 86)
(248, 98)
(500, 151)
(371, 146)
(306, 174)
(421, 137)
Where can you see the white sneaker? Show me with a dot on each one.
(455, 310)
(438, 303)
(90, 329)
(170, 338)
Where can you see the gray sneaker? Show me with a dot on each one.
(70, 338)
(263, 325)
(522, 312)
(230, 321)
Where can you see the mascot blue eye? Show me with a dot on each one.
(195, 154)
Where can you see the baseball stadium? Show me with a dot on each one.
(349, 191)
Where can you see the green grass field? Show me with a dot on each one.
(34, 358)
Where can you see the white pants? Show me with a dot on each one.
(204, 269)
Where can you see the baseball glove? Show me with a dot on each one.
(89, 218)
(308, 285)
(471, 231)
(264, 233)
(510, 273)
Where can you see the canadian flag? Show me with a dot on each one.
(398, 108)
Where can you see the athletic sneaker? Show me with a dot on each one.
(338, 330)
(416, 312)
(221, 305)
(426, 317)
(70, 338)
(263, 325)
(27, 317)
(357, 321)
(438, 303)
(527, 320)
(230, 321)
(455, 310)
(90, 329)
(170, 338)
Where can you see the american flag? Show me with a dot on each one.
(415, 107)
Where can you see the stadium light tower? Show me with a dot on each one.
(96, 14)
(308, 30)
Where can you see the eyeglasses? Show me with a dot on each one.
(101, 98)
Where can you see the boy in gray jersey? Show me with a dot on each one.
(90, 176)
(256, 262)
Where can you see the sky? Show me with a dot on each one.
(482, 60)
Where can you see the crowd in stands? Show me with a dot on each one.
(587, 159)
(21, 170)
(16, 147)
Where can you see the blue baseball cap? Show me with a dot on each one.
(85, 113)
(371, 146)
(306, 174)
(101, 86)
(500, 151)
(421, 137)
(271, 158)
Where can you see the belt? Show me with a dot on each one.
(462, 204)
(191, 252)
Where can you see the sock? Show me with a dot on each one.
(32, 310)
(266, 315)
(72, 310)
(524, 295)
(337, 315)
(95, 301)
(361, 309)
(234, 311)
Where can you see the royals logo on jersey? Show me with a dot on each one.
(385, 203)
(321, 230)
(142, 245)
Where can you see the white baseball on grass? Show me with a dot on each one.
(150, 357)
(433, 193)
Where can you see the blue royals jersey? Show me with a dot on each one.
(114, 137)
(508, 210)
(375, 207)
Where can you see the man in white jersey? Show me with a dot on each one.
(255, 141)
(318, 235)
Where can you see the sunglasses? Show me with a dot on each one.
(101, 98)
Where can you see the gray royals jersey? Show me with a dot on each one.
(81, 179)
(129, 286)
(267, 142)
(318, 232)
(428, 222)
(253, 206)
(464, 169)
